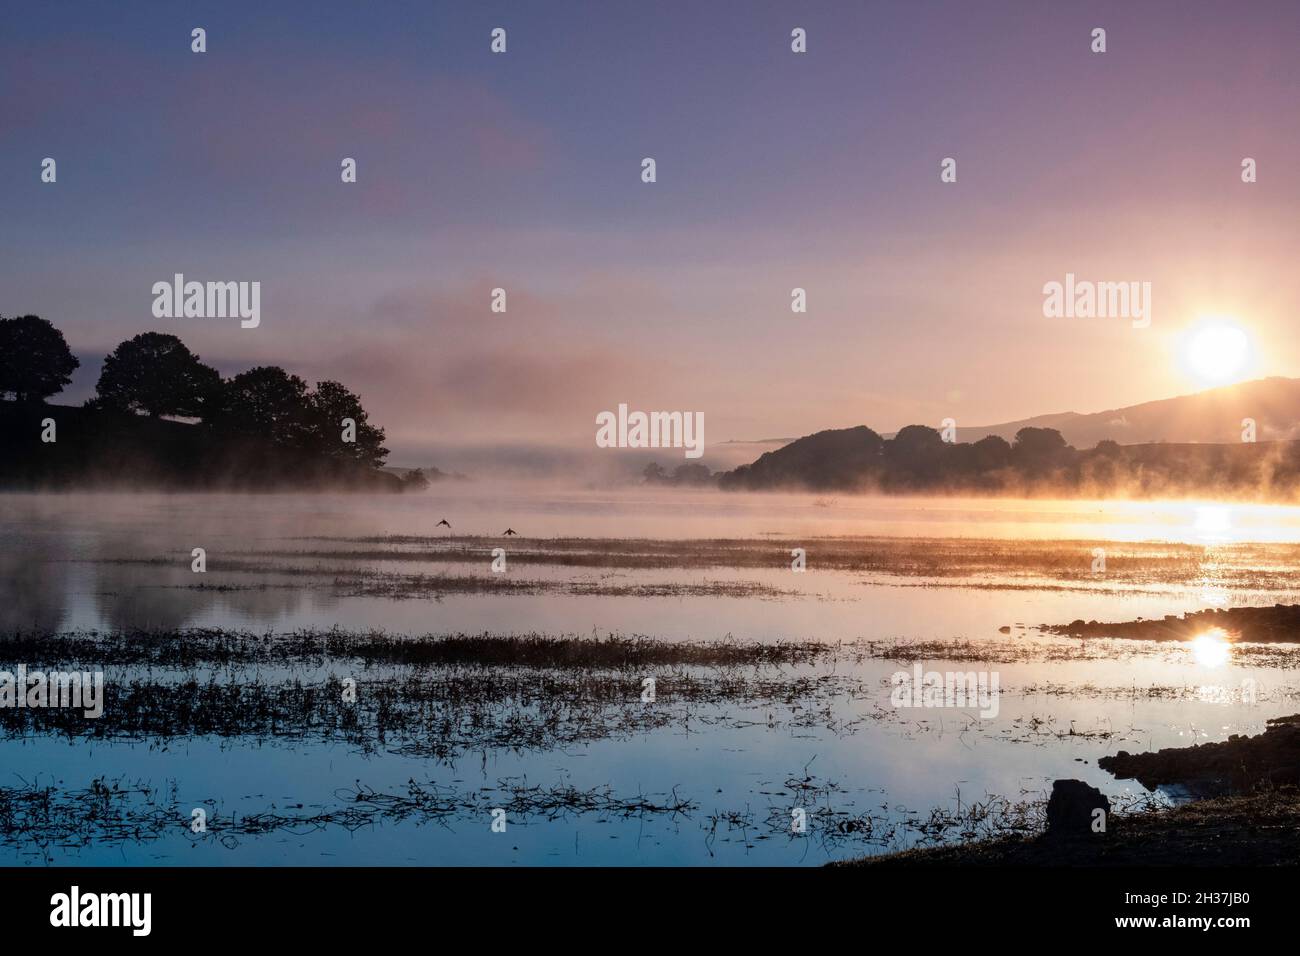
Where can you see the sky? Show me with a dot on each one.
(775, 170)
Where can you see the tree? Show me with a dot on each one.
(1104, 465)
(268, 402)
(414, 480)
(992, 452)
(834, 459)
(1039, 441)
(328, 406)
(156, 374)
(35, 361)
(1038, 450)
(693, 474)
(915, 456)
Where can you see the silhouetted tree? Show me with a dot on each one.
(1102, 468)
(35, 361)
(839, 458)
(1039, 441)
(266, 401)
(1039, 450)
(156, 374)
(693, 474)
(328, 406)
(654, 473)
(992, 452)
(415, 480)
(914, 456)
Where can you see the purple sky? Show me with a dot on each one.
(775, 170)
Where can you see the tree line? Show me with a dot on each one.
(1038, 461)
(154, 374)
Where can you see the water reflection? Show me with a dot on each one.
(35, 586)
(1211, 649)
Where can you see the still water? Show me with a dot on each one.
(278, 564)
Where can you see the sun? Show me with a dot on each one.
(1216, 352)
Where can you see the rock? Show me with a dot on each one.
(1069, 811)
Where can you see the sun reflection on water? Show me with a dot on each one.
(1211, 649)
(1213, 522)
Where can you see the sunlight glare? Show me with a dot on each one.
(1211, 649)
(1212, 521)
(1215, 596)
(1217, 352)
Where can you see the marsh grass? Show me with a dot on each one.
(432, 697)
(219, 646)
(369, 582)
(38, 819)
(1256, 566)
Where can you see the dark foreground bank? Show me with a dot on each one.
(1250, 815)
(1259, 829)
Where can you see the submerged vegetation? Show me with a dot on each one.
(37, 818)
(431, 697)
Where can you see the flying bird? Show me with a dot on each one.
(444, 521)
(510, 531)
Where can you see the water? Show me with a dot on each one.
(279, 563)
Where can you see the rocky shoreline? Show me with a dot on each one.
(1252, 820)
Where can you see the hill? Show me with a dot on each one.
(839, 458)
(1188, 445)
(1211, 416)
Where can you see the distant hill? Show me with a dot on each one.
(1210, 416)
(110, 450)
(837, 458)
(1180, 446)
(856, 459)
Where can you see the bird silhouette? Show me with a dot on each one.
(444, 521)
(509, 531)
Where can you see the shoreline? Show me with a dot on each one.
(1254, 820)
(1259, 829)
